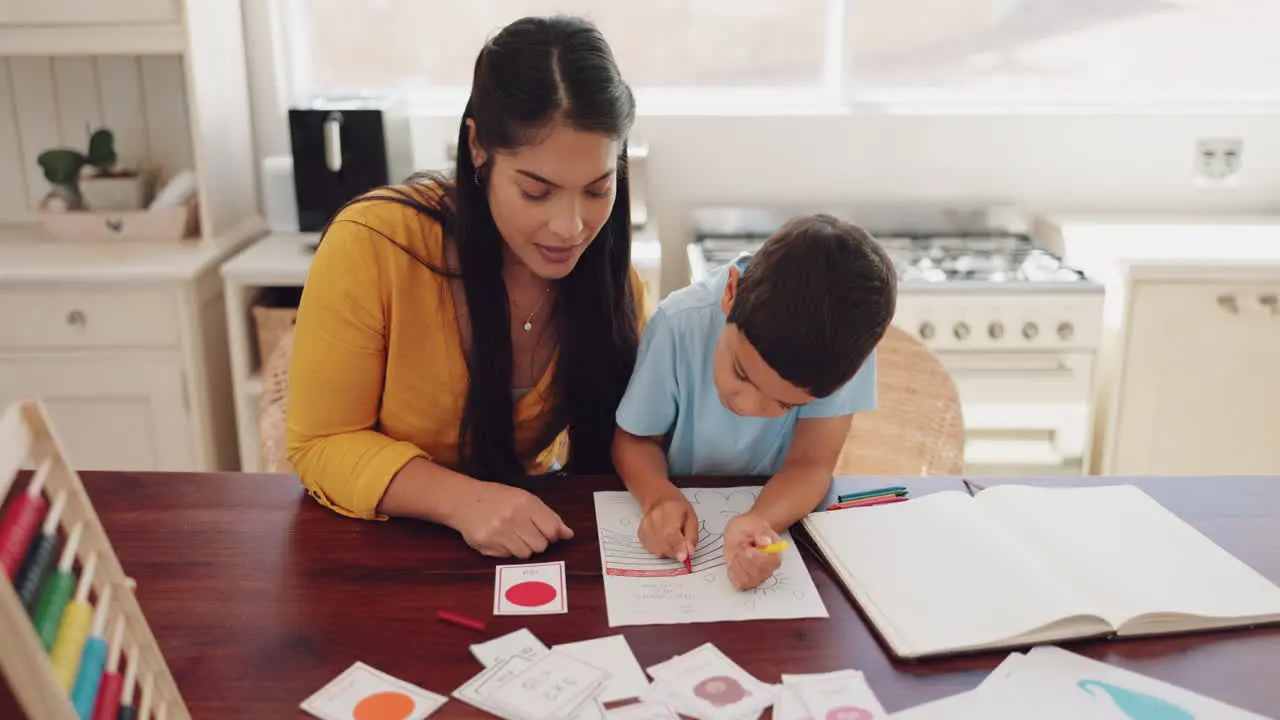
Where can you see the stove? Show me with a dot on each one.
(1016, 326)
(943, 260)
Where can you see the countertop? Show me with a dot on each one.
(27, 255)
(285, 258)
(1112, 247)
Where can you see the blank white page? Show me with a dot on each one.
(940, 576)
(1129, 553)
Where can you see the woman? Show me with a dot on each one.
(450, 331)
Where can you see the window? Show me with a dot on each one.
(670, 51)
(1109, 52)
(799, 55)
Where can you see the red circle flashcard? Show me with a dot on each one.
(531, 589)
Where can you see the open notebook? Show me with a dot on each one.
(1015, 566)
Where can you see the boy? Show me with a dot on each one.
(756, 370)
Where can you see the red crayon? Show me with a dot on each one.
(867, 503)
(462, 620)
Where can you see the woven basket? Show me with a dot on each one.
(271, 325)
(273, 407)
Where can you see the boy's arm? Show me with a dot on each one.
(805, 475)
(642, 465)
(647, 412)
(820, 435)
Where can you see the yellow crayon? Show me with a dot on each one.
(777, 547)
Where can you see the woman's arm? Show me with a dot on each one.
(335, 389)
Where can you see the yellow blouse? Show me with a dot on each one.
(378, 376)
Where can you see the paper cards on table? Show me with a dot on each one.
(362, 692)
(843, 694)
(704, 683)
(1049, 683)
(613, 655)
(551, 687)
(530, 589)
(642, 589)
(521, 642)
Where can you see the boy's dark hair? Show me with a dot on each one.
(815, 301)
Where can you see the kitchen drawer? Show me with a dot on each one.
(48, 317)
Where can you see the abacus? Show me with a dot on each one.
(76, 644)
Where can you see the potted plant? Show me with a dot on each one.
(91, 181)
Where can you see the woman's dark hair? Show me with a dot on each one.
(533, 73)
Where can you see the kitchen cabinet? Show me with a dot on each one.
(128, 355)
(125, 340)
(1200, 390)
(78, 12)
(124, 411)
(1188, 379)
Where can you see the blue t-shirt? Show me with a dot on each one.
(672, 393)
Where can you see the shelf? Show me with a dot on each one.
(40, 40)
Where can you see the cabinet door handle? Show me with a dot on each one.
(76, 317)
(1271, 302)
(1229, 303)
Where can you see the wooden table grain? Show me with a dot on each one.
(258, 596)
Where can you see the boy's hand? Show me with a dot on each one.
(670, 528)
(748, 565)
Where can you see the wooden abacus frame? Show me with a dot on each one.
(27, 435)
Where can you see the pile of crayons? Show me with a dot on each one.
(866, 498)
(58, 600)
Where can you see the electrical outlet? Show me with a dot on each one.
(1217, 162)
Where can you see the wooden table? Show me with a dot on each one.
(258, 597)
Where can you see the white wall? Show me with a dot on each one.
(1049, 161)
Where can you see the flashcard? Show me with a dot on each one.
(613, 655)
(789, 706)
(532, 589)
(553, 686)
(521, 642)
(478, 690)
(642, 711)
(716, 686)
(362, 693)
(844, 694)
(660, 693)
(1103, 690)
(1002, 671)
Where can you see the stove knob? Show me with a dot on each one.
(1066, 330)
(926, 331)
(995, 330)
(1030, 331)
(961, 331)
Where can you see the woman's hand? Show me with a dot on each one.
(748, 565)
(670, 528)
(501, 521)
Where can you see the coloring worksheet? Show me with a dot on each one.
(642, 589)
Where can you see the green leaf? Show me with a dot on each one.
(62, 166)
(102, 150)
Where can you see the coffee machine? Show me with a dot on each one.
(342, 148)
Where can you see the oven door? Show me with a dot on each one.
(1025, 413)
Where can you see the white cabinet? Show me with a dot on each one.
(120, 411)
(77, 12)
(1199, 388)
(133, 369)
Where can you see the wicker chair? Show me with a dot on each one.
(918, 427)
(272, 407)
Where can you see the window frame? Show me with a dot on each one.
(836, 94)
